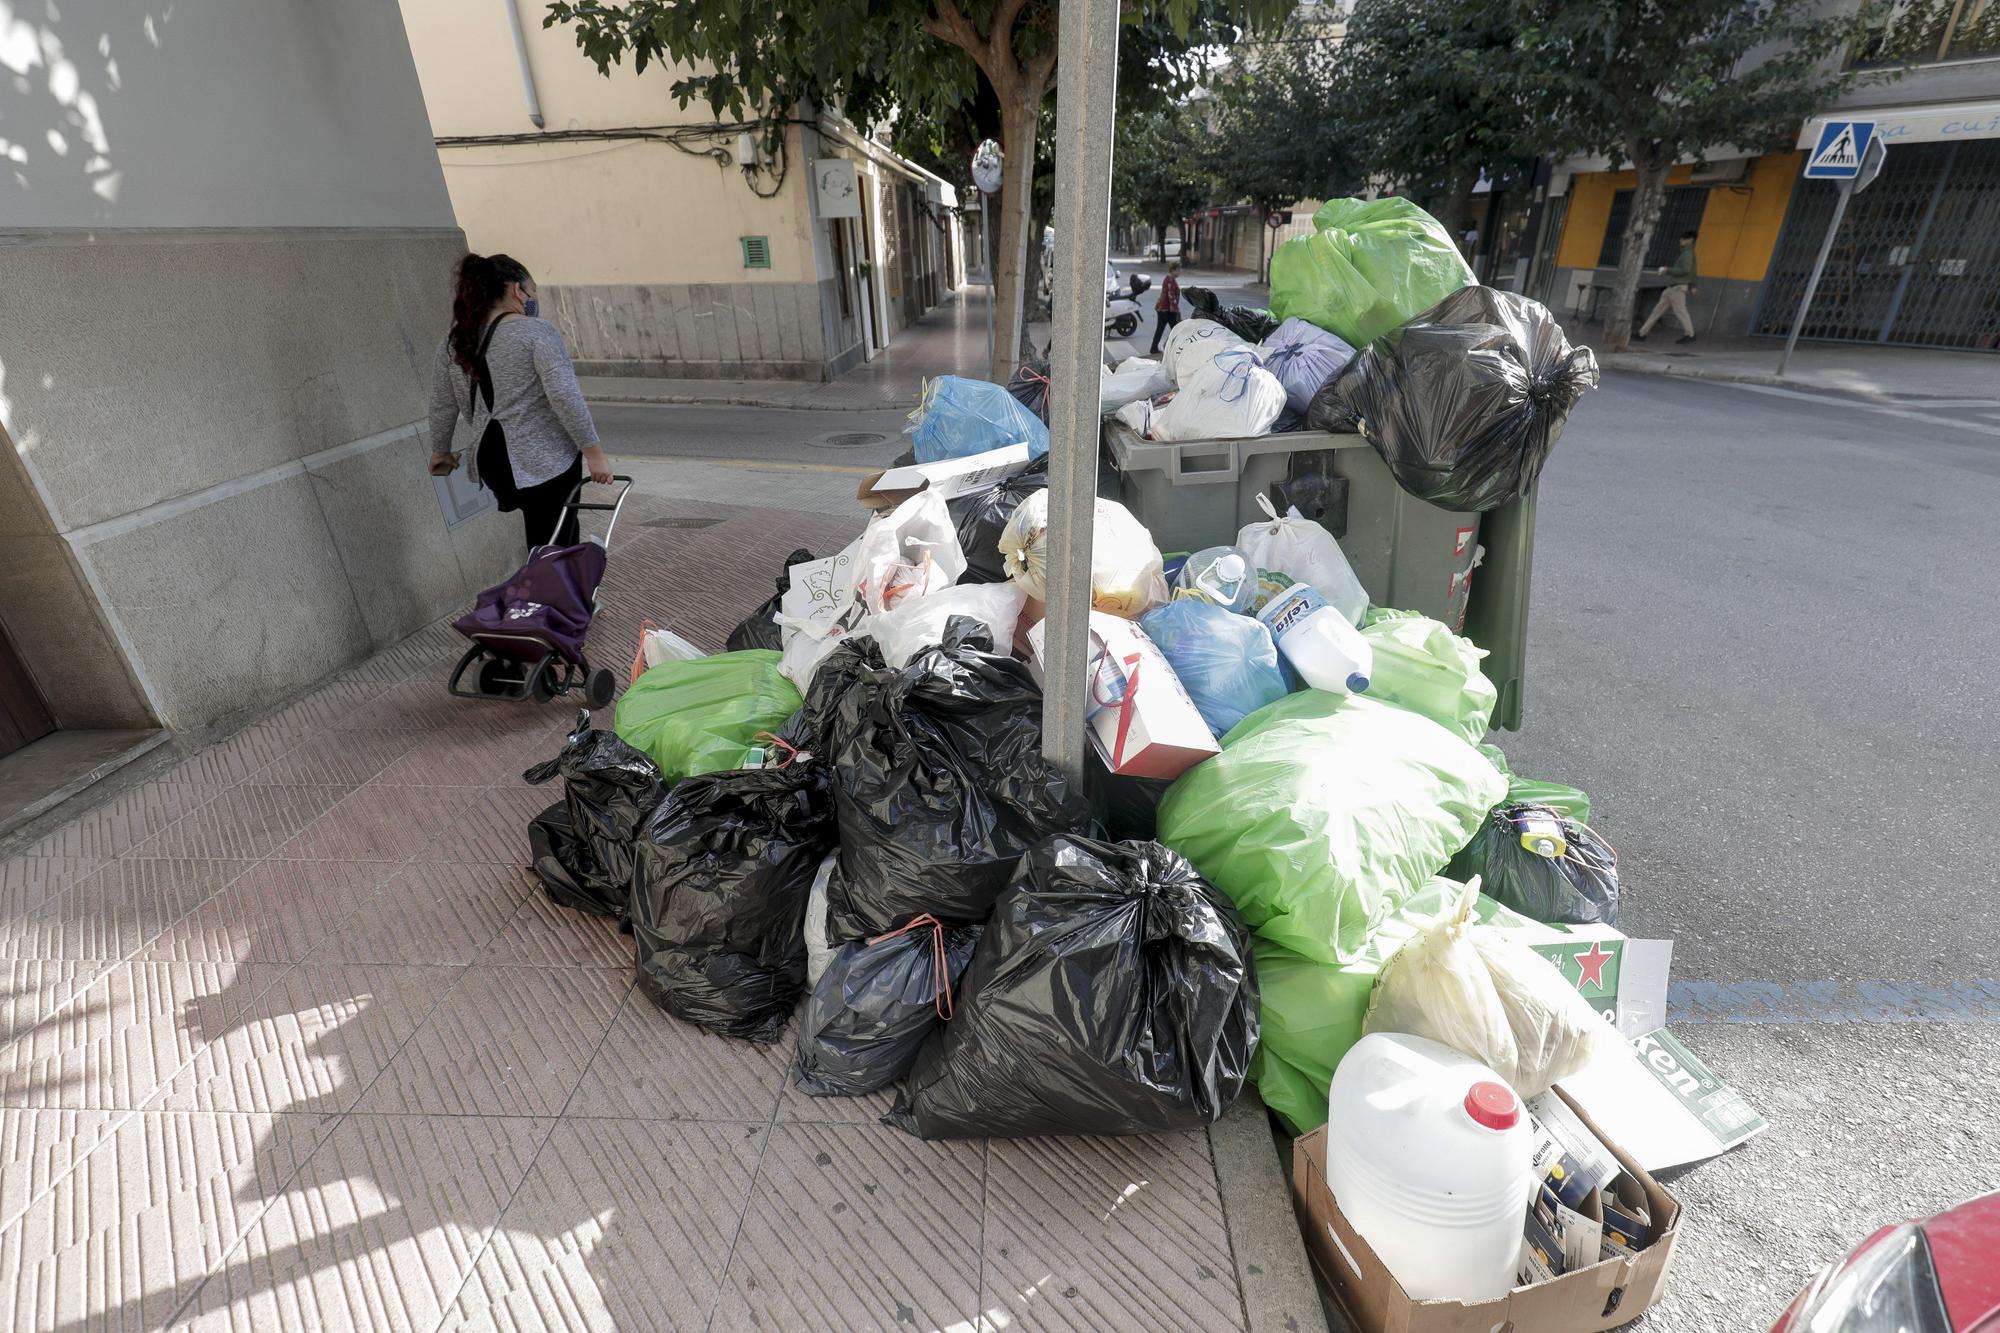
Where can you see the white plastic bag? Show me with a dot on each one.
(1305, 552)
(1138, 414)
(1487, 996)
(818, 952)
(917, 623)
(1193, 343)
(1136, 377)
(663, 645)
(911, 550)
(1127, 575)
(1229, 398)
(803, 653)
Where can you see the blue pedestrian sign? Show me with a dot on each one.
(1843, 144)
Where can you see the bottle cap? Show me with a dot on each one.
(1356, 683)
(1493, 1105)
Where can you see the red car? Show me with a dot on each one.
(1938, 1275)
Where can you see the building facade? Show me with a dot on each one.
(1917, 260)
(666, 242)
(226, 246)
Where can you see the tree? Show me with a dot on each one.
(1650, 84)
(761, 59)
(1157, 177)
(1425, 89)
(1277, 126)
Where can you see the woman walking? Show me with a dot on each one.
(1168, 306)
(509, 375)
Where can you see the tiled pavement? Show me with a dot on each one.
(289, 1039)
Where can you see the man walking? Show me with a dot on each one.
(1168, 306)
(1680, 281)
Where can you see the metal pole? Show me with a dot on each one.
(1086, 101)
(527, 70)
(1812, 283)
(986, 255)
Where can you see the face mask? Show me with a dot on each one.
(531, 307)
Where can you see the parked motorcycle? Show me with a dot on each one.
(1122, 315)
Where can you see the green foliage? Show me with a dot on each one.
(1278, 125)
(1158, 170)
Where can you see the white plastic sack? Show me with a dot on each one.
(1127, 576)
(660, 646)
(909, 551)
(1138, 414)
(1305, 552)
(818, 952)
(1487, 996)
(803, 653)
(1229, 398)
(1304, 356)
(1136, 377)
(917, 623)
(1193, 343)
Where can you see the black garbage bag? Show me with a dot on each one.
(1580, 887)
(1250, 323)
(939, 786)
(1128, 807)
(876, 1002)
(1465, 401)
(760, 628)
(812, 727)
(609, 789)
(719, 897)
(1030, 387)
(982, 516)
(1113, 992)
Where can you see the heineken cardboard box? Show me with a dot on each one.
(1613, 1291)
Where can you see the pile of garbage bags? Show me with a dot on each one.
(842, 832)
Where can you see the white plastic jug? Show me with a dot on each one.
(1317, 640)
(1428, 1155)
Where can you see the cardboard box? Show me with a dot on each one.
(1604, 1295)
(949, 477)
(1142, 722)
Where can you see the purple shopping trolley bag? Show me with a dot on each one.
(544, 606)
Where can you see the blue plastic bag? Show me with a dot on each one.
(1228, 663)
(958, 416)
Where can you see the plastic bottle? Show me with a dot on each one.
(1222, 575)
(1317, 640)
(1428, 1155)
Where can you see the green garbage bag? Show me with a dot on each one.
(1324, 812)
(1312, 1012)
(1422, 666)
(703, 716)
(1567, 801)
(1371, 265)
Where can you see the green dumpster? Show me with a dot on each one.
(1409, 555)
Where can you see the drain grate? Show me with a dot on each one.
(847, 439)
(684, 523)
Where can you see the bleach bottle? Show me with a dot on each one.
(1318, 641)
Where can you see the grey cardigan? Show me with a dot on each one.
(535, 396)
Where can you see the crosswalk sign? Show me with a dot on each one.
(1842, 146)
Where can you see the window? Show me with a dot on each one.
(1685, 205)
(756, 251)
(1922, 32)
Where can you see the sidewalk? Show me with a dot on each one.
(289, 1038)
(950, 340)
(1889, 373)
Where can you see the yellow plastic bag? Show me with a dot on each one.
(1489, 997)
(1127, 575)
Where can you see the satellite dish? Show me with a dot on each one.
(987, 164)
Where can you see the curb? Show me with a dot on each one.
(1280, 1294)
(1755, 377)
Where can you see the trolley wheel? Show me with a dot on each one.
(1126, 325)
(499, 678)
(599, 688)
(546, 683)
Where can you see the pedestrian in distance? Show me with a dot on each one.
(1680, 281)
(508, 374)
(1169, 304)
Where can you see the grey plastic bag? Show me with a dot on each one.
(876, 1002)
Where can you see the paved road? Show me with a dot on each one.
(1762, 639)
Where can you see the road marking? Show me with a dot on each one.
(1803, 1002)
(1885, 409)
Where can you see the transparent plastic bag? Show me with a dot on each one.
(1487, 996)
(917, 623)
(1224, 575)
(1226, 662)
(1301, 549)
(1127, 576)
(957, 417)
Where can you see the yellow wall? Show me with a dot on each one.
(590, 212)
(1739, 229)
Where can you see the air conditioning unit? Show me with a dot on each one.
(1728, 172)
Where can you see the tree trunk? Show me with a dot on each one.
(1020, 109)
(1648, 200)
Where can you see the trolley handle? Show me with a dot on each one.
(575, 505)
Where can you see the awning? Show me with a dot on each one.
(1917, 124)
